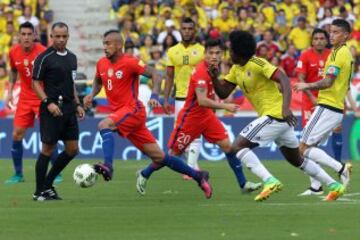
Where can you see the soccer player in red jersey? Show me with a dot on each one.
(22, 57)
(119, 74)
(197, 118)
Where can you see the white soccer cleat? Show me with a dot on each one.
(312, 192)
(346, 174)
(251, 187)
(140, 183)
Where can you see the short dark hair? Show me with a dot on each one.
(345, 25)
(111, 31)
(319, 30)
(27, 25)
(187, 20)
(60, 25)
(211, 42)
(242, 44)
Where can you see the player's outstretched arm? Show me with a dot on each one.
(204, 101)
(284, 82)
(12, 80)
(322, 84)
(156, 79)
(311, 96)
(96, 88)
(169, 83)
(222, 88)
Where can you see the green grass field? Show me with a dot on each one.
(175, 209)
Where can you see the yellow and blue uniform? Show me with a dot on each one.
(184, 61)
(254, 79)
(340, 63)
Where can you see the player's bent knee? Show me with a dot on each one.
(106, 123)
(18, 134)
(302, 148)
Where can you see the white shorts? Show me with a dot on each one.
(320, 125)
(179, 104)
(265, 130)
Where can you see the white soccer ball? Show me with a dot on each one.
(85, 175)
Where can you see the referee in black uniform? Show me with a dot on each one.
(55, 69)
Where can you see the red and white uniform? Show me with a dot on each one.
(194, 120)
(28, 105)
(121, 83)
(311, 64)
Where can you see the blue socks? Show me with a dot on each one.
(146, 173)
(108, 143)
(235, 165)
(17, 154)
(178, 165)
(337, 142)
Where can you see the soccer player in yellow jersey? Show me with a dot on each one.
(182, 59)
(330, 103)
(258, 80)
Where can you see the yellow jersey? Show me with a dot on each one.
(341, 64)
(254, 79)
(184, 61)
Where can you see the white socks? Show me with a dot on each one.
(252, 162)
(319, 156)
(315, 171)
(193, 153)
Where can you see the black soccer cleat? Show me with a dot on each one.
(47, 195)
(105, 170)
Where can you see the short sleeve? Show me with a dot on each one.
(336, 63)
(39, 68)
(198, 79)
(169, 59)
(231, 76)
(302, 64)
(268, 69)
(97, 73)
(137, 66)
(11, 58)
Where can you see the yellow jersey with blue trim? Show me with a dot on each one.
(340, 64)
(184, 59)
(254, 79)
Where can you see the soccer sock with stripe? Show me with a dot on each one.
(108, 143)
(17, 154)
(315, 171)
(194, 152)
(152, 167)
(41, 167)
(60, 163)
(235, 165)
(179, 166)
(337, 142)
(319, 156)
(252, 162)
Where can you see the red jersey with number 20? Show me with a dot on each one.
(23, 62)
(121, 80)
(200, 78)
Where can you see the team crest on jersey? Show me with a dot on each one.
(194, 53)
(73, 74)
(26, 62)
(321, 63)
(119, 74)
(248, 73)
(110, 72)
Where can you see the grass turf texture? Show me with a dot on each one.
(175, 209)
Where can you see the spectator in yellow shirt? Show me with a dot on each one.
(290, 9)
(299, 36)
(269, 10)
(144, 50)
(147, 21)
(245, 22)
(224, 23)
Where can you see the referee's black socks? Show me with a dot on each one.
(41, 170)
(60, 163)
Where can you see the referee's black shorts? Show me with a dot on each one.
(53, 129)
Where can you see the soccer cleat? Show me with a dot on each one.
(140, 183)
(104, 170)
(58, 179)
(270, 186)
(47, 195)
(204, 184)
(17, 178)
(346, 174)
(336, 190)
(250, 187)
(312, 192)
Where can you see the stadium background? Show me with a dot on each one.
(282, 30)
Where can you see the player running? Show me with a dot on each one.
(22, 58)
(257, 79)
(333, 88)
(197, 117)
(119, 73)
